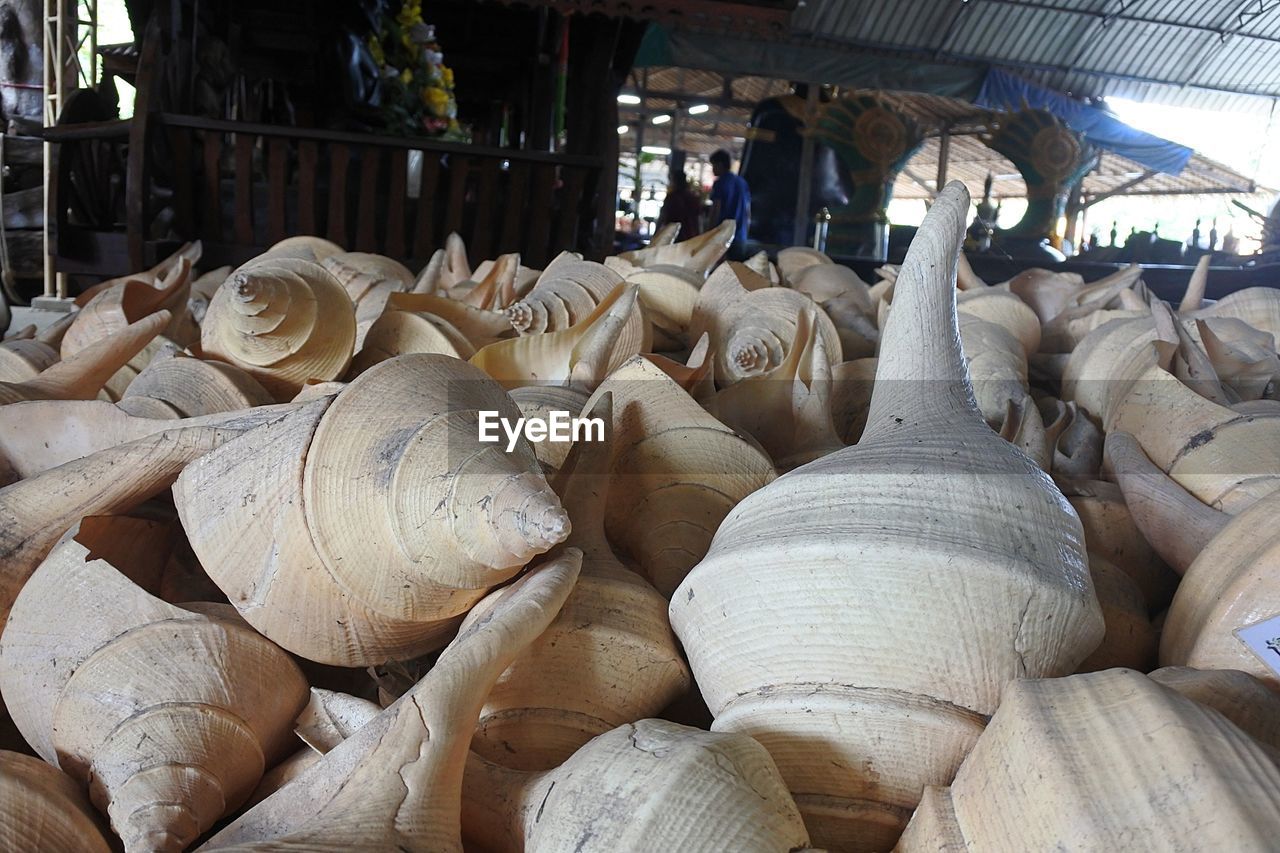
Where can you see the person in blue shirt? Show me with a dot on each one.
(730, 199)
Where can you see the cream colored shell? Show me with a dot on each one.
(860, 615)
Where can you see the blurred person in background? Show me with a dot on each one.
(681, 206)
(730, 199)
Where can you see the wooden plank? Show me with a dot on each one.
(538, 216)
(307, 187)
(339, 157)
(277, 188)
(244, 190)
(183, 201)
(456, 201)
(424, 237)
(485, 228)
(570, 210)
(212, 142)
(513, 217)
(397, 199)
(367, 211)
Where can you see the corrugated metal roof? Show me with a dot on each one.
(1208, 53)
(732, 100)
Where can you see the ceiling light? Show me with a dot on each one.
(629, 99)
(623, 128)
(698, 109)
(661, 119)
(655, 149)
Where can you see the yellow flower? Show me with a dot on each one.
(446, 74)
(375, 48)
(406, 76)
(436, 100)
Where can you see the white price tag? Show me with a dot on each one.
(1263, 639)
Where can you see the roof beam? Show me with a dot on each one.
(1120, 190)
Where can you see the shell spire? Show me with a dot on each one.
(921, 373)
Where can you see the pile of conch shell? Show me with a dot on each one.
(656, 553)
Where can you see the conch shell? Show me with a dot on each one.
(677, 471)
(827, 617)
(649, 785)
(111, 306)
(1231, 584)
(396, 784)
(753, 325)
(42, 808)
(697, 254)
(566, 293)
(788, 409)
(170, 717)
(1129, 759)
(82, 375)
(283, 321)
(609, 658)
(361, 527)
(611, 333)
(174, 385)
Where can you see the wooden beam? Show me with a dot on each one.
(921, 182)
(1120, 190)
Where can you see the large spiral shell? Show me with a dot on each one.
(788, 409)
(1129, 759)
(283, 321)
(609, 658)
(677, 471)
(359, 528)
(860, 615)
(167, 715)
(566, 293)
(751, 324)
(180, 386)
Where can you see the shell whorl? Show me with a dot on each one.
(169, 716)
(522, 315)
(387, 514)
(284, 321)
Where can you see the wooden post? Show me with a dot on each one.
(944, 154)
(801, 225)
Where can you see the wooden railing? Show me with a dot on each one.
(241, 187)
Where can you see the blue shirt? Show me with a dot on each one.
(734, 196)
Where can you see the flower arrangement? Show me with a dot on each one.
(417, 87)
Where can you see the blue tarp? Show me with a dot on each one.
(1003, 91)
